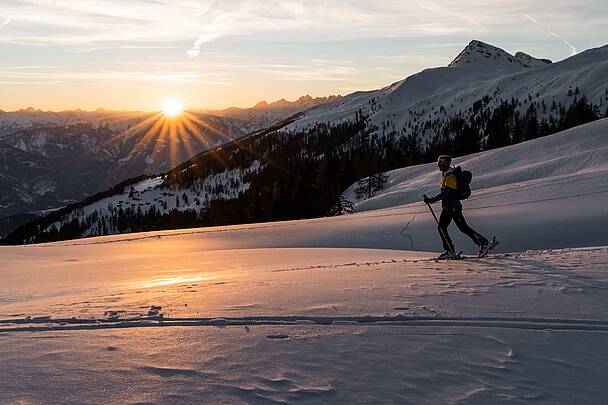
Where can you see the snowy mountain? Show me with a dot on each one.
(480, 54)
(299, 168)
(481, 79)
(530, 61)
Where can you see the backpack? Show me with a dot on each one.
(463, 180)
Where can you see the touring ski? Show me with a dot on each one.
(450, 256)
(488, 248)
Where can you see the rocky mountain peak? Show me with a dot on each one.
(531, 61)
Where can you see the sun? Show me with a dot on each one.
(172, 108)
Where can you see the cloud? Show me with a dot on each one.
(191, 24)
(552, 33)
(45, 74)
(89, 23)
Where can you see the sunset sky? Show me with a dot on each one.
(66, 54)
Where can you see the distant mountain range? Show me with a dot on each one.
(51, 159)
(485, 98)
(263, 114)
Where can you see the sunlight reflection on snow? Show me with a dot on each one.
(160, 282)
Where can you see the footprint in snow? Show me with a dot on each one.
(277, 337)
(154, 310)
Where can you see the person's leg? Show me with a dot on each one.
(444, 221)
(467, 230)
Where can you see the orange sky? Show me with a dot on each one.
(134, 55)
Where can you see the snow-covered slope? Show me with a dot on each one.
(423, 103)
(215, 316)
(536, 169)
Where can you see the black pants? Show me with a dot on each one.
(449, 214)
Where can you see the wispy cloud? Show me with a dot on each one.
(102, 24)
(40, 74)
(550, 32)
(91, 23)
(26, 67)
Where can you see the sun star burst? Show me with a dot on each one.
(172, 108)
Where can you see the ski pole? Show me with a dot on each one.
(436, 220)
(432, 211)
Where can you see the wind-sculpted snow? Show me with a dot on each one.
(341, 364)
(188, 277)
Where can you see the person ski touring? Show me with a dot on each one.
(450, 195)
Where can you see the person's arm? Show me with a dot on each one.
(436, 198)
(450, 185)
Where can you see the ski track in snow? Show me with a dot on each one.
(477, 322)
(397, 290)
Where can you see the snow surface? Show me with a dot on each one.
(328, 310)
(190, 322)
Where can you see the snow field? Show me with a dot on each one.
(191, 323)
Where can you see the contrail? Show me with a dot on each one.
(5, 23)
(534, 20)
(572, 48)
(568, 44)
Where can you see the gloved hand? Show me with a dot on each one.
(427, 200)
